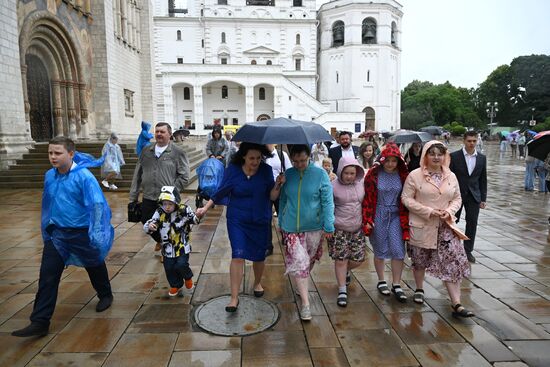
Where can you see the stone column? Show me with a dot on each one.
(71, 112)
(116, 17)
(57, 108)
(198, 116)
(277, 106)
(249, 96)
(88, 7)
(83, 111)
(25, 94)
(138, 29)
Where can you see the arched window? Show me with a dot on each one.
(268, 62)
(338, 35)
(186, 93)
(261, 94)
(253, 62)
(178, 35)
(298, 38)
(393, 34)
(223, 37)
(224, 92)
(368, 31)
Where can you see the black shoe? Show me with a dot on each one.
(104, 303)
(258, 294)
(470, 257)
(269, 251)
(232, 309)
(34, 329)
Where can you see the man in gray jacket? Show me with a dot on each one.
(160, 164)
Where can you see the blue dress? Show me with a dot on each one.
(248, 210)
(387, 235)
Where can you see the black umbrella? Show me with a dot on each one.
(409, 136)
(434, 130)
(282, 131)
(539, 147)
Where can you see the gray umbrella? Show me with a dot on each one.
(282, 131)
(434, 130)
(409, 136)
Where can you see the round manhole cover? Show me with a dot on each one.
(253, 316)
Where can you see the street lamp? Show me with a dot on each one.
(492, 109)
(532, 122)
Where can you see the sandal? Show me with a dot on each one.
(342, 299)
(383, 288)
(348, 278)
(399, 293)
(418, 296)
(460, 311)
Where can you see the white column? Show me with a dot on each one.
(168, 104)
(198, 116)
(249, 94)
(277, 105)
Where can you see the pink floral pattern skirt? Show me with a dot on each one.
(301, 251)
(447, 262)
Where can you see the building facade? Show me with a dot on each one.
(235, 61)
(78, 68)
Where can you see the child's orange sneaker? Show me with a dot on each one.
(189, 283)
(174, 292)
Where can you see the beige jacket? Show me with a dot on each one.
(421, 196)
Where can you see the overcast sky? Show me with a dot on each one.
(463, 41)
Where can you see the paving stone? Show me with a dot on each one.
(125, 306)
(213, 358)
(328, 357)
(448, 354)
(375, 348)
(509, 325)
(423, 328)
(142, 350)
(534, 353)
(348, 318)
(272, 348)
(48, 359)
(199, 341)
(19, 351)
(320, 334)
(289, 318)
(485, 343)
(162, 318)
(88, 335)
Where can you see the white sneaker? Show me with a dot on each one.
(274, 214)
(113, 187)
(105, 183)
(305, 313)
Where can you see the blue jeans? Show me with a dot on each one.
(51, 268)
(542, 179)
(177, 269)
(529, 176)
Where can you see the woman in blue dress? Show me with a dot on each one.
(247, 190)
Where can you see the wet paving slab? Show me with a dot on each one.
(509, 290)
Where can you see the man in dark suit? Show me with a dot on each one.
(344, 149)
(470, 168)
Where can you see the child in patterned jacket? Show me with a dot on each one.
(173, 221)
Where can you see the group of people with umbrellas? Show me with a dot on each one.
(312, 209)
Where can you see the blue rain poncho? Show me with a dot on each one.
(75, 214)
(144, 138)
(114, 159)
(210, 174)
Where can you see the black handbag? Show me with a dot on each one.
(134, 212)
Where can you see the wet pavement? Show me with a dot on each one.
(509, 290)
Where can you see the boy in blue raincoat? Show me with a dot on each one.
(144, 137)
(76, 229)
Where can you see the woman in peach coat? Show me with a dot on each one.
(432, 195)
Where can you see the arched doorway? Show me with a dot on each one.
(263, 117)
(39, 97)
(370, 123)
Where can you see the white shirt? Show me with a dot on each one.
(348, 152)
(275, 163)
(470, 160)
(160, 150)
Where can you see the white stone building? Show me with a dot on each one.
(237, 61)
(78, 68)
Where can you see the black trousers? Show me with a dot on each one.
(472, 214)
(177, 269)
(51, 268)
(148, 208)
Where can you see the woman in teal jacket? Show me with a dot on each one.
(306, 217)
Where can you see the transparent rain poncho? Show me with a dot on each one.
(210, 174)
(144, 137)
(75, 214)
